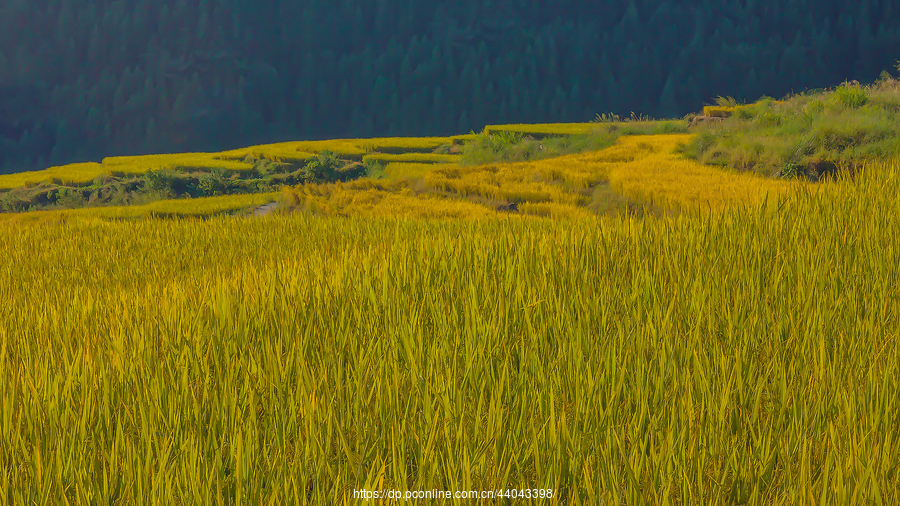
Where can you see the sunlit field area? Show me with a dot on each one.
(643, 170)
(587, 309)
(620, 325)
(412, 253)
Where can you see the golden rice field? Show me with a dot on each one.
(412, 158)
(653, 171)
(352, 148)
(75, 173)
(410, 170)
(745, 354)
(176, 208)
(642, 167)
(544, 128)
(234, 160)
(84, 173)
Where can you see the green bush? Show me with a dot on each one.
(70, 197)
(851, 95)
(328, 167)
(816, 106)
(769, 119)
(351, 170)
(323, 168)
(790, 170)
(213, 183)
(159, 181)
(374, 169)
(265, 167)
(503, 140)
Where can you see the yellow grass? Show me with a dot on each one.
(512, 182)
(716, 111)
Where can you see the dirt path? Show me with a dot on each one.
(265, 210)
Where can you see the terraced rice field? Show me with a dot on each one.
(408, 334)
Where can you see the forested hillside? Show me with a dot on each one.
(79, 82)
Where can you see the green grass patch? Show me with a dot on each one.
(808, 135)
(518, 143)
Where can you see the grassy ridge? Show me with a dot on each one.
(809, 135)
(545, 129)
(744, 356)
(516, 143)
(635, 126)
(637, 174)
